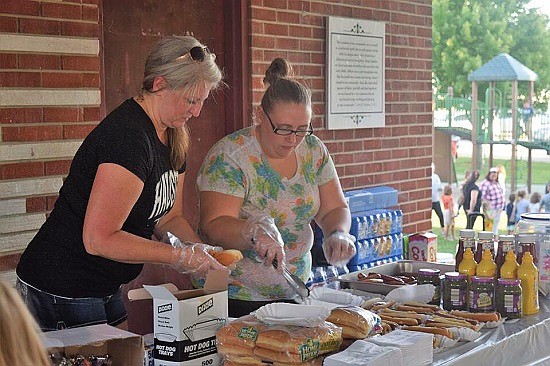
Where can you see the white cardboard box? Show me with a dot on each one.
(186, 322)
(125, 348)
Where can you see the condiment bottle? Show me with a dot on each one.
(529, 276)
(466, 239)
(485, 240)
(468, 265)
(455, 290)
(487, 266)
(526, 243)
(508, 298)
(481, 297)
(510, 267)
(505, 244)
(431, 276)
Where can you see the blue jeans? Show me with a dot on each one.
(57, 312)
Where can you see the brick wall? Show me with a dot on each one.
(399, 154)
(49, 101)
(50, 98)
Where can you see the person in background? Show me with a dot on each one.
(522, 204)
(472, 198)
(124, 187)
(545, 201)
(261, 186)
(436, 192)
(448, 213)
(534, 204)
(502, 179)
(20, 342)
(511, 213)
(460, 199)
(492, 200)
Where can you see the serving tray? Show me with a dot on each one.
(404, 267)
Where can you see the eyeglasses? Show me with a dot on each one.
(197, 54)
(288, 132)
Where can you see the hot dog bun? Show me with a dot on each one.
(444, 332)
(480, 317)
(227, 257)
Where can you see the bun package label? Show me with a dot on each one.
(186, 322)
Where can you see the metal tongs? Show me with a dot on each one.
(295, 282)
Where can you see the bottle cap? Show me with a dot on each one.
(505, 238)
(481, 279)
(509, 281)
(485, 235)
(455, 276)
(525, 238)
(467, 233)
(429, 271)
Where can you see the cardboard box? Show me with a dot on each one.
(125, 348)
(186, 322)
(423, 247)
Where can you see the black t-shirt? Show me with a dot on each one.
(468, 188)
(56, 261)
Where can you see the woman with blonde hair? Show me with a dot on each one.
(20, 342)
(125, 186)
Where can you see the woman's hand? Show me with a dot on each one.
(339, 248)
(262, 233)
(194, 257)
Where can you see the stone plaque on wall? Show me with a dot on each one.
(355, 73)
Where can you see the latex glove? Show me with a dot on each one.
(193, 257)
(339, 248)
(264, 237)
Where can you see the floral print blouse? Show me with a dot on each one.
(237, 166)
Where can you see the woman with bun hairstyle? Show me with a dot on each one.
(261, 186)
(124, 187)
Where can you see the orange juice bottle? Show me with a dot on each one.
(529, 276)
(468, 265)
(487, 266)
(510, 267)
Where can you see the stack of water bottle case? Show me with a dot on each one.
(377, 228)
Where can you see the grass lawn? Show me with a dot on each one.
(540, 170)
(449, 246)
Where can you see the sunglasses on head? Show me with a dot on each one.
(197, 54)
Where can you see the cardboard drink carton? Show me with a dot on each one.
(423, 247)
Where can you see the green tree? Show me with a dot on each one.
(531, 47)
(469, 33)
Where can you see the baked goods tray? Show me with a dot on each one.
(403, 267)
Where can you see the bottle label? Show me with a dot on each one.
(469, 243)
(508, 247)
(512, 303)
(481, 301)
(457, 297)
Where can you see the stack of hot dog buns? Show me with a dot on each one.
(249, 341)
(356, 322)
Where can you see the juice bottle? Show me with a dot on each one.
(510, 267)
(529, 276)
(487, 266)
(485, 240)
(505, 244)
(468, 265)
(466, 239)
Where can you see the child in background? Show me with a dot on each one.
(448, 213)
(522, 204)
(534, 205)
(511, 213)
